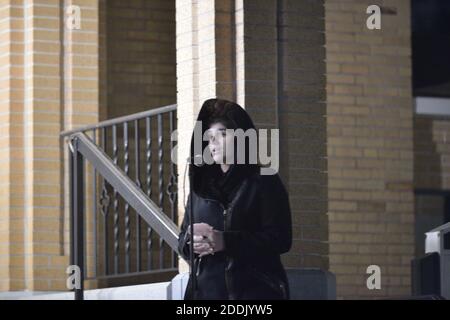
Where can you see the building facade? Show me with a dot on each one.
(352, 148)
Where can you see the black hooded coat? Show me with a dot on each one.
(251, 209)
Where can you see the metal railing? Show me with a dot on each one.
(107, 239)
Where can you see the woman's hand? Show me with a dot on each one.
(206, 239)
(202, 238)
(202, 246)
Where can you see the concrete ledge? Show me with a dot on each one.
(153, 291)
(16, 295)
(304, 284)
(311, 284)
(177, 287)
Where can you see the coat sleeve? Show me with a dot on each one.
(275, 235)
(183, 237)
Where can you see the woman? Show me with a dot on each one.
(242, 219)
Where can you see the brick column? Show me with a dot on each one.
(46, 88)
(11, 144)
(32, 154)
(258, 54)
(283, 86)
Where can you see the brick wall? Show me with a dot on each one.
(370, 147)
(140, 50)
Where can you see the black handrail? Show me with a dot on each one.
(116, 182)
(83, 148)
(134, 196)
(120, 120)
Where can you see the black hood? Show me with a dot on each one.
(209, 180)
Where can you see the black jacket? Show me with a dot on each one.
(253, 212)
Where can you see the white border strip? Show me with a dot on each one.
(432, 106)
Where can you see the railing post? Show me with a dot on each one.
(77, 215)
(149, 214)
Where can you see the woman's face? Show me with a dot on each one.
(219, 142)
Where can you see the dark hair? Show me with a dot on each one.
(223, 120)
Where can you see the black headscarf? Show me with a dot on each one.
(210, 181)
